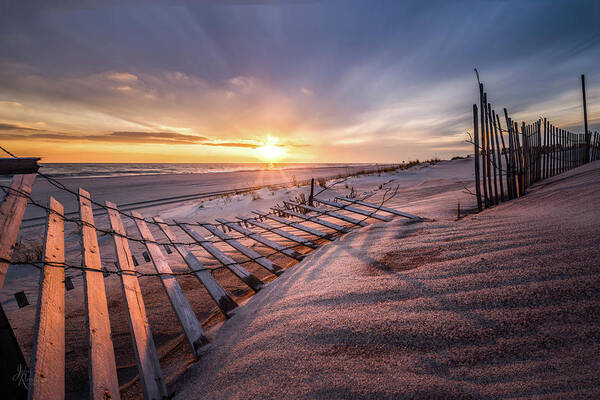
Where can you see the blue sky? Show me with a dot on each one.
(325, 80)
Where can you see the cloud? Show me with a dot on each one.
(12, 127)
(10, 103)
(131, 137)
(121, 76)
(306, 92)
(243, 83)
(232, 144)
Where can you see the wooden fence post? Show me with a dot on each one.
(499, 165)
(493, 149)
(511, 148)
(545, 149)
(488, 160)
(506, 159)
(539, 150)
(553, 160)
(585, 122)
(483, 147)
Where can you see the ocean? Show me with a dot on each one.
(64, 170)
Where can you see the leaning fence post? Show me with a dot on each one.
(585, 122)
(539, 151)
(312, 191)
(476, 145)
(545, 149)
(487, 150)
(511, 148)
(493, 149)
(499, 165)
(506, 159)
(484, 148)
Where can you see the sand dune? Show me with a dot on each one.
(502, 304)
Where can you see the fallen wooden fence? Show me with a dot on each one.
(47, 366)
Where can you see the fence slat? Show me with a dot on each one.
(11, 215)
(239, 271)
(333, 214)
(248, 252)
(186, 316)
(355, 210)
(378, 207)
(477, 161)
(263, 240)
(144, 348)
(47, 369)
(499, 151)
(214, 289)
(493, 150)
(280, 232)
(294, 225)
(102, 367)
(316, 220)
(485, 169)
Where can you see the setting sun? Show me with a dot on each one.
(271, 151)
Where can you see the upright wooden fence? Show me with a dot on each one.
(535, 151)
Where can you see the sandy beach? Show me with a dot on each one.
(502, 304)
(135, 188)
(486, 306)
(419, 186)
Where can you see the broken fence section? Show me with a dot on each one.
(47, 366)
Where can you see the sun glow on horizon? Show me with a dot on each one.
(271, 151)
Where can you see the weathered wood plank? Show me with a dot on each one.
(263, 240)
(11, 215)
(294, 225)
(20, 165)
(378, 207)
(239, 271)
(370, 214)
(333, 214)
(215, 290)
(248, 252)
(281, 232)
(102, 367)
(316, 220)
(151, 376)
(186, 316)
(476, 144)
(47, 368)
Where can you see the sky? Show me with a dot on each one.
(286, 81)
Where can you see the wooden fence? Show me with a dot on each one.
(509, 160)
(47, 366)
